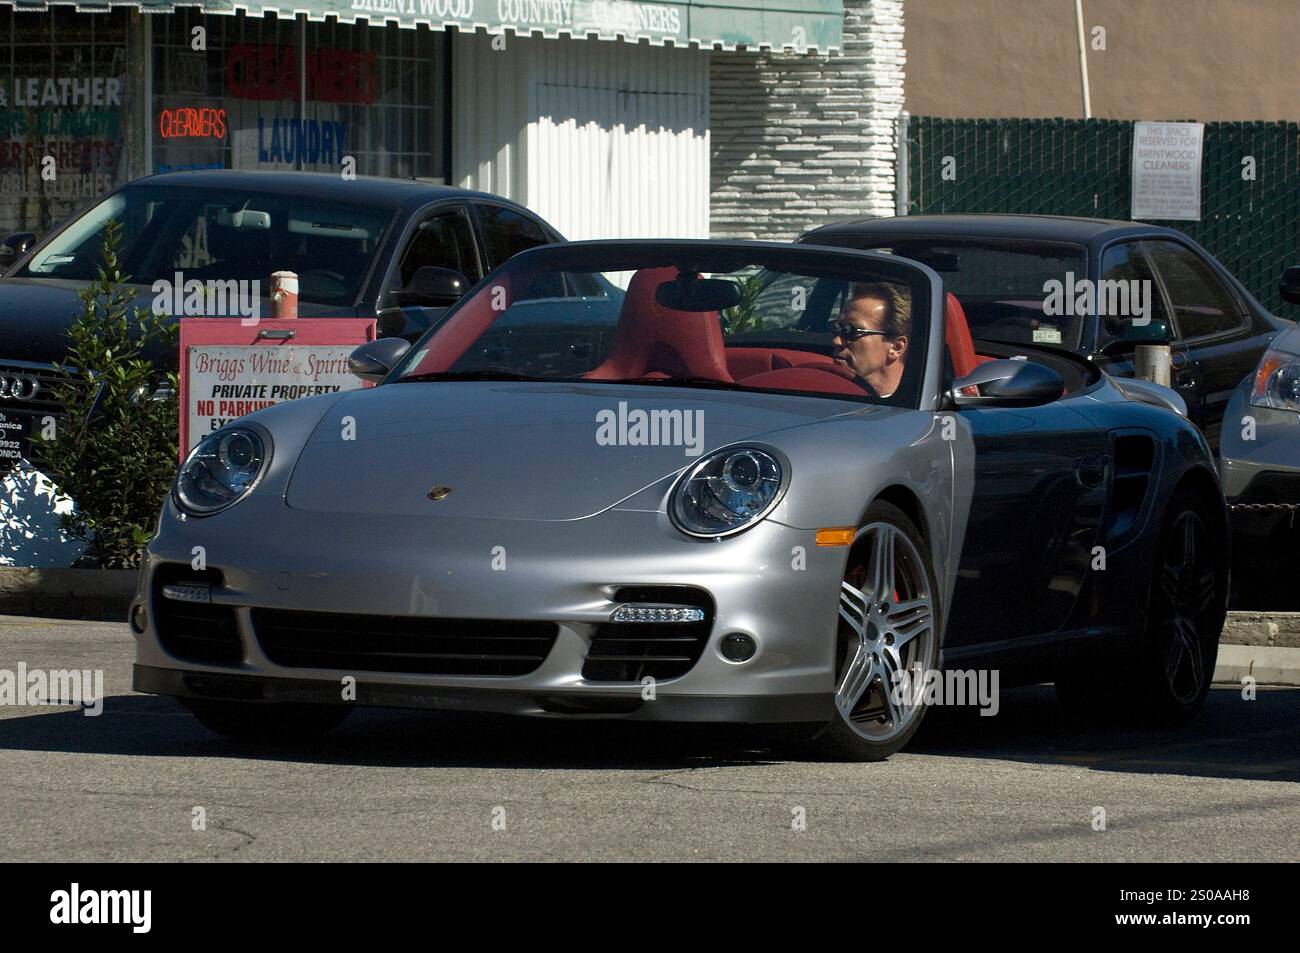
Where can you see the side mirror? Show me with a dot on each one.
(1130, 335)
(1289, 284)
(373, 360)
(433, 286)
(14, 247)
(1007, 383)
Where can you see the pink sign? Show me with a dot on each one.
(229, 369)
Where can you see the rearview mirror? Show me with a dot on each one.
(433, 286)
(372, 361)
(1130, 334)
(698, 294)
(14, 247)
(1007, 383)
(1289, 284)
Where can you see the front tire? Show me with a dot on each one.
(266, 722)
(888, 627)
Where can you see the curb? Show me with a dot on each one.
(1268, 665)
(1274, 629)
(67, 593)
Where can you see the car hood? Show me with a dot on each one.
(518, 450)
(35, 315)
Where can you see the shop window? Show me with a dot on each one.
(64, 80)
(280, 95)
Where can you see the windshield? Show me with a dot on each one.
(1003, 285)
(217, 234)
(693, 315)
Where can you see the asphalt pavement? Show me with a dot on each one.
(144, 781)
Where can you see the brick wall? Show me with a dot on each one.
(798, 141)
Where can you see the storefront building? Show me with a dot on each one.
(596, 113)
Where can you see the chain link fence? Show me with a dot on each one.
(1250, 213)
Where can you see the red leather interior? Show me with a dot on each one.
(747, 361)
(816, 378)
(961, 347)
(651, 340)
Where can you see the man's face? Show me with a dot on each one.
(869, 354)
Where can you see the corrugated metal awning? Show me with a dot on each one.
(795, 25)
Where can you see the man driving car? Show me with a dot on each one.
(870, 337)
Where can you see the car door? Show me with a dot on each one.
(1037, 502)
(442, 237)
(1127, 261)
(1213, 331)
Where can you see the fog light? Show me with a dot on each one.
(188, 592)
(657, 613)
(738, 647)
(138, 618)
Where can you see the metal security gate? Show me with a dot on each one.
(1082, 167)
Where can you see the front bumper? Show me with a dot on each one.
(771, 583)
(750, 709)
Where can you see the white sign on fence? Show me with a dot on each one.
(1167, 170)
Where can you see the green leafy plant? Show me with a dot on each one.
(744, 316)
(114, 449)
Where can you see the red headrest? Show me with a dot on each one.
(651, 339)
(961, 347)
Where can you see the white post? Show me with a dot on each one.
(902, 167)
(1083, 60)
(1151, 363)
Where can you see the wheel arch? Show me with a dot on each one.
(1203, 481)
(907, 501)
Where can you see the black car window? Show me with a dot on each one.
(443, 240)
(1127, 263)
(1202, 305)
(506, 233)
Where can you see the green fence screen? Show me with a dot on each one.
(1250, 217)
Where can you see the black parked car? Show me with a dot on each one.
(999, 268)
(397, 249)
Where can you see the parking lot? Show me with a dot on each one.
(393, 785)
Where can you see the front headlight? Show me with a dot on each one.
(727, 492)
(1277, 382)
(220, 470)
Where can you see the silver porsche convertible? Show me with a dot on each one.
(691, 481)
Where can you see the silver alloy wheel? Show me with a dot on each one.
(886, 628)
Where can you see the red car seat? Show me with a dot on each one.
(653, 341)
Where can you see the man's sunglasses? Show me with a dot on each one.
(850, 333)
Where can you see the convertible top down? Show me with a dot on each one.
(788, 481)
